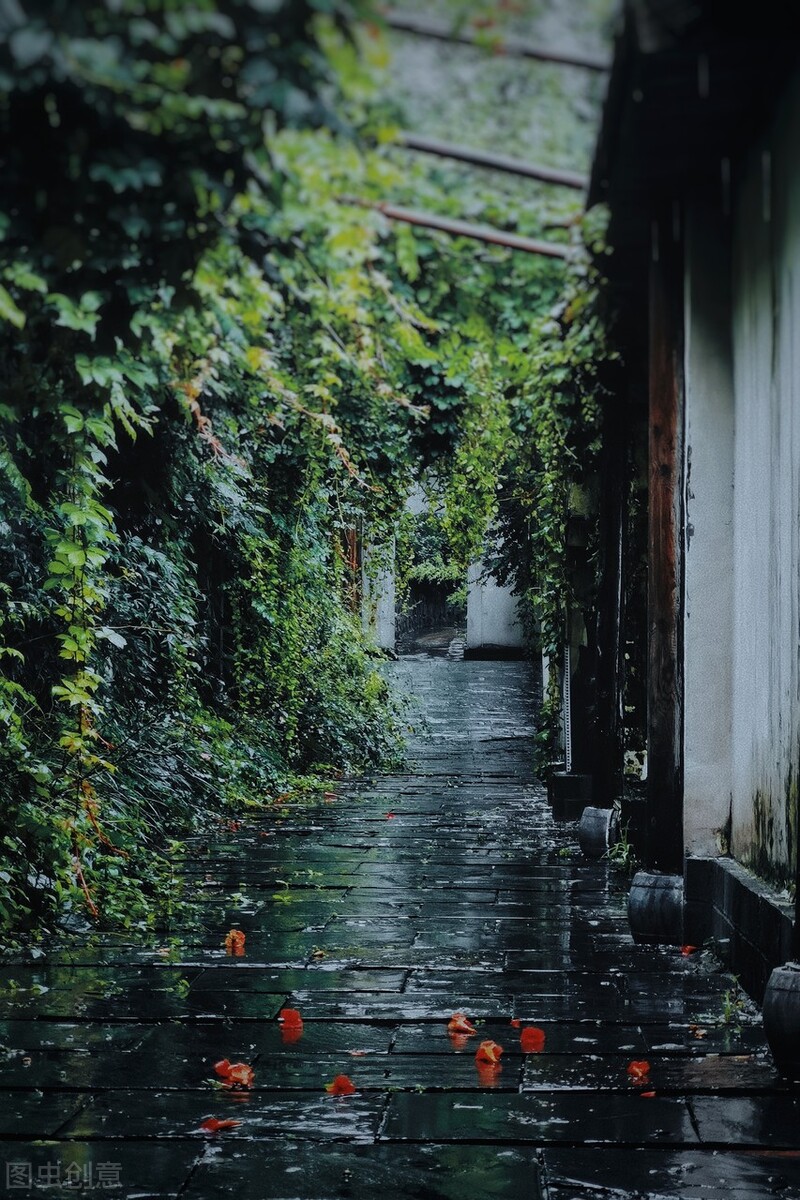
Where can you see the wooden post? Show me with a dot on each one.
(610, 665)
(664, 832)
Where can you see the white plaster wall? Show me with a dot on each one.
(378, 606)
(766, 353)
(708, 534)
(492, 613)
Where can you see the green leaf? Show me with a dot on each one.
(111, 635)
(9, 310)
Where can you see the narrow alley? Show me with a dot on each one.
(378, 913)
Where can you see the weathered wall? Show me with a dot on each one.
(378, 606)
(492, 617)
(766, 356)
(708, 533)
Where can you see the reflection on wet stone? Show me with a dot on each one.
(377, 929)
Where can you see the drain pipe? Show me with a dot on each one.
(567, 703)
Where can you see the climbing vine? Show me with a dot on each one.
(223, 370)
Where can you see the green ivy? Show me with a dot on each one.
(221, 367)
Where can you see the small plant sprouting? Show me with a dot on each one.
(733, 1005)
(622, 854)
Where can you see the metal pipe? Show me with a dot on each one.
(513, 47)
(567, 690)
(480, 233)
(496, 162)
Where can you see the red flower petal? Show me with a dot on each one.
(488, 1052)
(290, 1018)
(639, 1071)
(531, 1039)
(213, 1125)
(458, 1023)
(687, 950)
(647, 1095)
(390, 816)
(342, 1085)
(515, 1022)
(234, 1075)
(234, 942)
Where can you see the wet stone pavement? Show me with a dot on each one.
(378, 913)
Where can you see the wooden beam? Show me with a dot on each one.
(496, 162)
(513, 47)
(479, 233)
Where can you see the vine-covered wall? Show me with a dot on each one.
(216, 365)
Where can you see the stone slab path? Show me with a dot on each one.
(378, 913)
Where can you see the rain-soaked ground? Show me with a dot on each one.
(377, 915)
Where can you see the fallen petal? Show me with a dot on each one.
(213, 1125)
(687, 950)
(234, 1075)
(639, 1071)
(488, 1052)
(241, 1074)
(290, 1018)
(234, 942)
(458, 1023)
(531, 1039)
(341, 1085)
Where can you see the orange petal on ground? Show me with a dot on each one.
(213, 1125)
(458, 1023)
(290, 1018)
(488, 1052)
(241, 1075)
(234, 942)
(687, 950)
(639, 1071)
(647, 1095)
(531, 1039)
(341, 1085)
(234, 1075)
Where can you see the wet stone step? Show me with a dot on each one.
(313, 978)
(301, 1172)
(122, 1168)
(578, 1173)
(313, 1115)
(69, 1035)
(567, 1039)
(710, 1073)
(574, 1118)
(378, 928)
(34, 1114)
